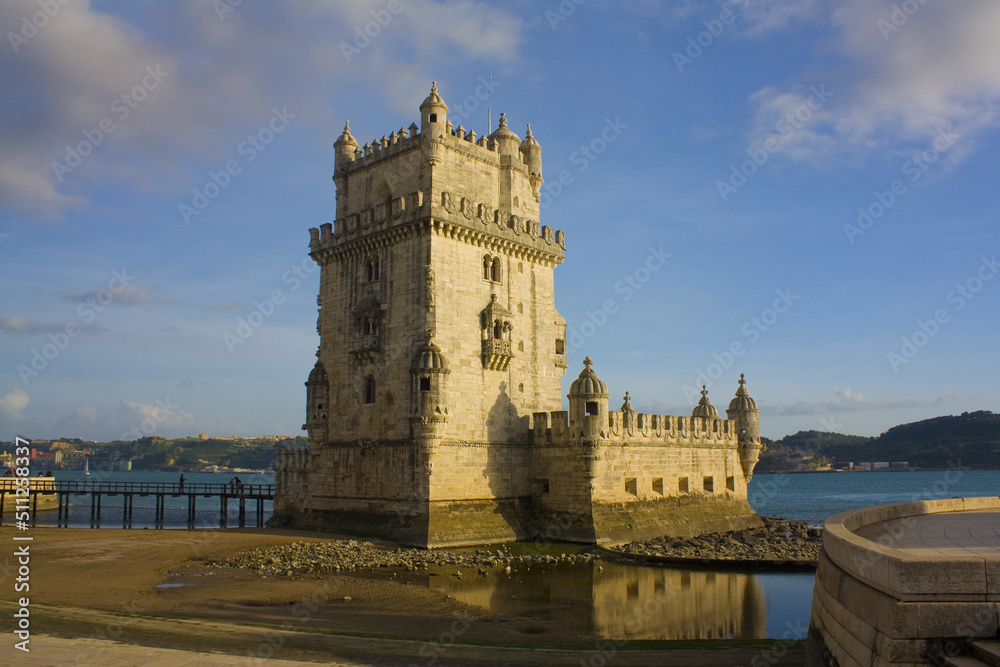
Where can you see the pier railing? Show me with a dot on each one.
(240, 493)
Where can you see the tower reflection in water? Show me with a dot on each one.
(615, 601)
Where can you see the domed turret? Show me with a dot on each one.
(506, 141)
(588, 385)
(588, 402)
(705, 407)
(343, 149)
(433, 114)
(531, 153)
(428, 372)
(743, 401)
(744, 413)
(430, 359)
(317, 404)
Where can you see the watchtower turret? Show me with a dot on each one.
(506, 141)
(428, 373)
(433, 114)
(705, 407)
(343, 149)
(588, 403)
(317, 404)
(743, 411)
(531, 153)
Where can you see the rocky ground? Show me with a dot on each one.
(351, 555)
(779, 539)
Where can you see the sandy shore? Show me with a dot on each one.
(105, 586)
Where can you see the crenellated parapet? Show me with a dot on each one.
(647, 430)
(412, 179)
(369, 228)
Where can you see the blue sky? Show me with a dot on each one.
(821, 174)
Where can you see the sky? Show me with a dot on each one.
(803, 191)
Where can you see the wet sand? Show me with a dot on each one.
(106, 585)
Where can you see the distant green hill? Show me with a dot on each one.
(969, 440)
(185, 454)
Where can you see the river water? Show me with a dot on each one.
(611, 600)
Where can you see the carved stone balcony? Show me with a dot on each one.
(497, 354)
(366, 346)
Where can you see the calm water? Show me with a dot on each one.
(814, 497)
(619, 601)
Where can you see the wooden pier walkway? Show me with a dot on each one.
(64, 490)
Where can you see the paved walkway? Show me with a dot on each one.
(59, 652)
(950, 534)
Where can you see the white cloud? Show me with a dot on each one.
(13, 403)
(82, 420)
(137, 420)
(220, 80)
(851, 401)
(899, 88)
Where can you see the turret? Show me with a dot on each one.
(507, 142)
(317, 404)
(428, 373)
(588, 403)
(743, 411)
(531, 153)
(343, 149)
(433, 114)
(705, 407)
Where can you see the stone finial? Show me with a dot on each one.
(434, 87)
(588, 362)
(527, 132)
(503, 120)
(704, 391)
(627, 405)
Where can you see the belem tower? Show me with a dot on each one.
(434, 414)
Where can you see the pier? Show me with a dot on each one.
(97, 491)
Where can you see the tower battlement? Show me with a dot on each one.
(553, 428)
(452, 214)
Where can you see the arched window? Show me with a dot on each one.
(486, 267)
(370, 389)
(495, 274)
(372, 268)
(497, 330)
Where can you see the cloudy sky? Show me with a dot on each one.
(812, 183)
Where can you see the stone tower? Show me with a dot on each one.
(433, 412)
(439, 335)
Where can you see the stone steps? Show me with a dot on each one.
(965, 661)
(985, 653)
(988, 651)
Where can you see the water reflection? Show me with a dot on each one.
(614, 601)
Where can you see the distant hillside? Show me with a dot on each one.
(160, 454)
(970, 440)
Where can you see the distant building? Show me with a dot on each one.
(203, 436)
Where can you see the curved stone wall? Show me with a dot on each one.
(875, 603)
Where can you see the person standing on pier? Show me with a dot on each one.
(182, 481)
